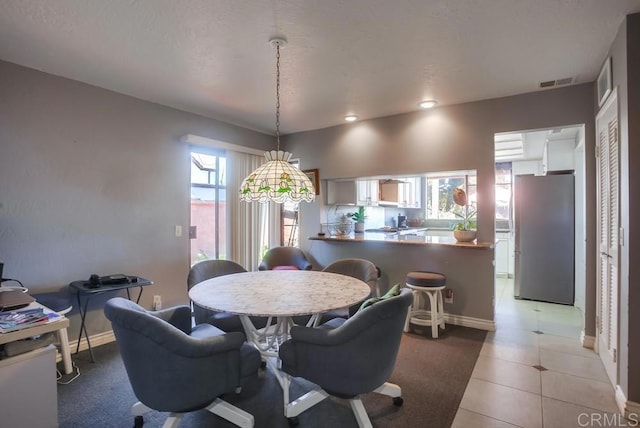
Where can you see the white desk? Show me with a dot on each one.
(279, 294)
(58, 325)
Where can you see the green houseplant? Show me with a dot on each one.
(359, 217)
(464, 230)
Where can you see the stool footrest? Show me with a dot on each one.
(419, 315)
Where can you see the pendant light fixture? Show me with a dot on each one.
(277, 180)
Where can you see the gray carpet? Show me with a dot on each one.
(433, 375)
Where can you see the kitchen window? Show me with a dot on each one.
(439, 195)
(504, 195)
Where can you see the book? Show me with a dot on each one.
(25, 318)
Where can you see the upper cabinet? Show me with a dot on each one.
(558, 156)
(352, 192)
(403, 192)
(341, 192)
(367, 193)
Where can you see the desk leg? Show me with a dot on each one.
(81, 322)
(139, 296)
(83, 327)
(65, 350)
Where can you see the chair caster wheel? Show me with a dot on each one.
(398, 401)
(294, 421)
(138, 421)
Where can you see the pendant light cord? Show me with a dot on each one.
(278, 95)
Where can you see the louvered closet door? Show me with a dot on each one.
(608, 227)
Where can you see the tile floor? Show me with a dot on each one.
(506, 390)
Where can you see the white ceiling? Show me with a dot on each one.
(371, 58)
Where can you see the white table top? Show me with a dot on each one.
(38, 328)
(279, 292)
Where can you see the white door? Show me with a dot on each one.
(608, 227)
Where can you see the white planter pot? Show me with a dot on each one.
(464, 235)
(359, 227)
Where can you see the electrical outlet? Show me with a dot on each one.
(448, 295)
(157, 302)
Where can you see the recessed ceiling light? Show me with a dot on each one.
(428, 103)
(351, 118)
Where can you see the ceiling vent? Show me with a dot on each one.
(556, 83)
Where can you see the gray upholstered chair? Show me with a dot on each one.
(224, 321)
(285, 258)
(362, 269)
(175, 368)
(347, 358)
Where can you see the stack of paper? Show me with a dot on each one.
(19, 319)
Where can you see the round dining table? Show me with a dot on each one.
(279, 295)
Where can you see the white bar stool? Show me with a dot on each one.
(428, 284)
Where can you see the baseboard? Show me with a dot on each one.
(471, 322)
(630, 409)
(587, 341)
(96, 340)
(461, 320)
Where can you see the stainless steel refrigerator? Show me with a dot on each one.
(544, 218)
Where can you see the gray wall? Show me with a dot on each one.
(625, 56)
(92, 181)
(633, 280)
(456, 137)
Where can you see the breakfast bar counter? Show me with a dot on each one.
(405, 239)
(468, 266)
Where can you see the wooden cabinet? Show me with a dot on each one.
(389, 192)
(404, 192)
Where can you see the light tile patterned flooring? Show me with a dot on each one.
(506, 390)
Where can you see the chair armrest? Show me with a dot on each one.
(322, 336)
(178, 316)
(196, 347)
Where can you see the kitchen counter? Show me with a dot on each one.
(468, 266)
(405, 239)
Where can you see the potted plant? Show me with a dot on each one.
(359, 218)
(464, 230)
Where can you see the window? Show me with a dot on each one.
(289, 219)
(503, 193)
(208, 205)
(439, 195)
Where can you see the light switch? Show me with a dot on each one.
(178, 231)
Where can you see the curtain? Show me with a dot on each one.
(253, 227)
